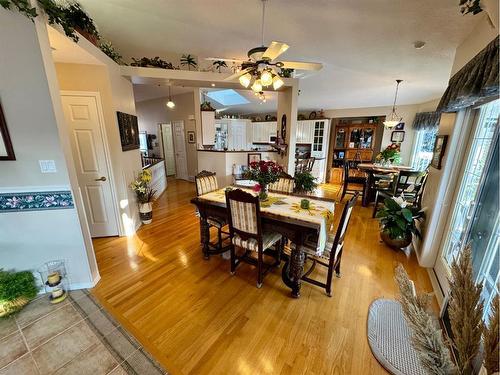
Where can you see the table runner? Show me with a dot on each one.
(288, 206)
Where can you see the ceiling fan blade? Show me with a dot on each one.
(237, 74)
(274, 50)
(298, 65)
(222, 59)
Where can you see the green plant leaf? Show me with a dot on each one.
(392, 205)
(407, 214)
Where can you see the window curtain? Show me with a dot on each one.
(476, 81)
(426, 120)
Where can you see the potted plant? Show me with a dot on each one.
(397, 222)
(17, 289)
(264, 173)
(219, 64)
(305, 182)
(391, 154)
(111, 52)
(189, 61)
(145, 195)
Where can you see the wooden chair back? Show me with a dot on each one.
(205, 182)
(406, 179)
(343, 223)
(243, 212)
(305, 165)
(285, 184)
(352, 172)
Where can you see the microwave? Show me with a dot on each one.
(273, 138)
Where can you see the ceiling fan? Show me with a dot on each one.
(261, 69)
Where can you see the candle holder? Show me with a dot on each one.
(54, 278)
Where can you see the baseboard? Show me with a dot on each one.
(90, 285)
(436, 287)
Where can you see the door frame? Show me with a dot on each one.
(107, 153)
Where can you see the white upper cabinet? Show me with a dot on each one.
(208, 127)
(261, 131)
(237, 134)
(304, 131)
(320, 138)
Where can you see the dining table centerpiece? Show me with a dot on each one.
(264, 173)
(390, 155)
(398, 222)
(145, 195)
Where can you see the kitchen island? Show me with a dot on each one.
(221, 162)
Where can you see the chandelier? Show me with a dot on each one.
(394, 118)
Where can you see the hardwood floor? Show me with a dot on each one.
(196, 318)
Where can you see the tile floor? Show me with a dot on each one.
(76, 336)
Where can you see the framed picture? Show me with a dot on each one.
(6, 149)
(191, 137)
(439, 149)
(398, 136)
(255, 157)
(129, 131)
(400, 126)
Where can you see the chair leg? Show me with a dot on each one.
(219, 238)
(344, 189)
(329, 281)
(233, 260)
(259, 269)
(376, 205)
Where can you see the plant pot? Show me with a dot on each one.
(90, 37)
(146, 212)
(10, 307)
(397, 243)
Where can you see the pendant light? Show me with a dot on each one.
(394, 118)
(170, 103)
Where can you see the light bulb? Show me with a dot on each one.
(266, 78)
(245, 79)
(277, 82)
(264, 100)
(391, 124)
(257, 86)
(170, 104)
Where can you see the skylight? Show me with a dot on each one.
(227, 97)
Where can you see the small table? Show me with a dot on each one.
(370, 170)
(283, 217)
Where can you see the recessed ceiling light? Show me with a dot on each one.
(418, 44)
(213, 84)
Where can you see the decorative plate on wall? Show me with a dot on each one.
(312, 115)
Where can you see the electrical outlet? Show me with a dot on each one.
(47, 166)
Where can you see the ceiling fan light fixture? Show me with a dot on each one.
(257, 86)
(245, 80)
(266, 78)
(277, 82)
(170, 104)
(394, 118)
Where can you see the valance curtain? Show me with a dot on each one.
(476, 81)
(426, 120)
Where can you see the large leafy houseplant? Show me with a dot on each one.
(305, 182)
(264, 173)
(16, 290)
(397, 222)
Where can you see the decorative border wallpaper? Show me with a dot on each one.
(37, 201)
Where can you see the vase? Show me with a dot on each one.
(263, 192)
(146, 212)
(397, 243)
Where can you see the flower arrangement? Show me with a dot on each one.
(397, 220)
(391, 154)
(265, 173)
(142, 187)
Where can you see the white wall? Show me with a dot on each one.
(28, 239)
(153, 112)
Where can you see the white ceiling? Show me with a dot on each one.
(365, 45)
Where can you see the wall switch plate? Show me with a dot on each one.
(47, 166)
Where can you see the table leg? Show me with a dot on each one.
(297, 258)
(204, 235)
(367, 189)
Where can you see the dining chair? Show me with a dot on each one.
(206, 182)
(245, 228)
(285, 184)
(409, 184)
(352, 175)
(332, 255)
(305, 165)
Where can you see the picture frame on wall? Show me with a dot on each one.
(400, 126)
(6, 148)
(254, 157)
(439, 149)
(191, 136)
(129, 131)
(397, 136)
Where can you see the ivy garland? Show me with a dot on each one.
(22, 6)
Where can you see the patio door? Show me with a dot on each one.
(474, 217)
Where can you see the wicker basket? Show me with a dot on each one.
(10, 307)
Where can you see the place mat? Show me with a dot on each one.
(288, 206)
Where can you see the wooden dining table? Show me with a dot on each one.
(371, 169)
(281, 213)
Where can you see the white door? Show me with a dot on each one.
(86, 135)
(167, 139)
(180, 151)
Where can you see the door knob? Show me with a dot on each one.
(101, 179)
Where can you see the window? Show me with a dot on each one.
(424, 144)
(143, 142)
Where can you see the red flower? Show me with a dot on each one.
(257, 188)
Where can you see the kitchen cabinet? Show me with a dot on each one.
(336, 176)
(354, 141)
(208, 127)
(340, 137)
(320, 138)
(304, 132)
(237, 135)
(261, 131)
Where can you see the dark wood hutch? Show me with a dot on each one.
(354, 138)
